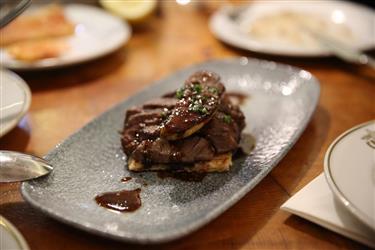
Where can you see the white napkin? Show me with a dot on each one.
(316, 203)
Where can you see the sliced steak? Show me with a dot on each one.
(234, 111)
(132, 111)
(224, 129)
(164, 102)
(188, 150)
(148, 116)
(222, 132)
(194, 124)
(193, 149)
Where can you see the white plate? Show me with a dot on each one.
(349, 167)
(97, 33)
(15, 99)
(11, 238)
(359, 19)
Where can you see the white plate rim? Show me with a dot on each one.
(27, 93)
(334, 187)
(254, 46)
(19, 65)
(14, 232)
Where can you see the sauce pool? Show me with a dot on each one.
(122, 201)
(125, 179)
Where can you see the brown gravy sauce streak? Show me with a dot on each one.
(125, 179)
(122, 201)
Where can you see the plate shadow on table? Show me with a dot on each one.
(313, 230)
(69, 76)
(18, 138)
(292, 168)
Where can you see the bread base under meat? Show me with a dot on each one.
(220, 163)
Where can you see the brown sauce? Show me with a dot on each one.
(122, 201)
(125, 179)
(183, 176)
(237, 97)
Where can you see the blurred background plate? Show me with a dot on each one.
(263, 26)
(15, 99)
(349, 167)
(97, 33)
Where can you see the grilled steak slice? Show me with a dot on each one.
(165, 102)
(188, 150)
(132, 111)
(220, 163)
(144, 123)
(222, 132)
(148, 116)
(224, 129)
(227, 107)
(198, 101)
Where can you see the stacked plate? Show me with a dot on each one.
(349, 167)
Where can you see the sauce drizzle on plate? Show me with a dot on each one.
(122, 201)
(125, 179)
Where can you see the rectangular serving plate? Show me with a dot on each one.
(280, 104)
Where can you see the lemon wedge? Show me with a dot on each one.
(132, 10)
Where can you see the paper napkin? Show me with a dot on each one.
(316, 203)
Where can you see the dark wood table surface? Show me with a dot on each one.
(64, 100)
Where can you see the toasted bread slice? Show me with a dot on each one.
(221, 163)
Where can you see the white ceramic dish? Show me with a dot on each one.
(234, 31)
(349, 167)
(15, 99)
(11, 238)
(97, 33)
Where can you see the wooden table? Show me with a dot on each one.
(64, 100)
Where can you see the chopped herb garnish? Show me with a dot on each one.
(195, 108)
(198, 108)
(213, 90)
(163, 115)
(180, 93)
(197, 87)
(227, 119)
(204, 111)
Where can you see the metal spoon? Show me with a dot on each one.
(16, 166)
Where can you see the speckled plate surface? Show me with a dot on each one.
(282, 100)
